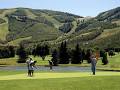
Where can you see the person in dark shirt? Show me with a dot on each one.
(50, 64)
(93, 63)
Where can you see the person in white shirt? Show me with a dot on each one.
(28, 65)
(32, 67)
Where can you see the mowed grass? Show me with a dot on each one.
(51, 80)
(9, 61)
(61, 81)
(114, 63)
(13, 61)
(10, 72)
(93, 83)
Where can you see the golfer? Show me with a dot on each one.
(50, 64)
(28, 65)
(93, 63)
(31, 68)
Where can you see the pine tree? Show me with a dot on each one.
(34, 52)
(46, 50)
(83, 55)
(104, 58)
(77, 55)
(55, 57)
(41, 51)
(63, 54)
(111, 53)
(22, 54)
(12, 51)
(38, 50)
(87, 56)
(4, 53)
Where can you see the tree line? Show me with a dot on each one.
(62, 55)
(7, 52)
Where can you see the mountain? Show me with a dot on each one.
(102, 31)
(35, 25)
(31, 26)
(109, 15)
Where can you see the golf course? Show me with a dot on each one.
(59, 44)
(59, 81)
(44, 79)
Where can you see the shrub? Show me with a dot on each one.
(111, 53)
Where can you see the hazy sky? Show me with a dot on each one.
(79, 7)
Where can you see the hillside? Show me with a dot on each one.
(40, 25)
(94, 32)
(109, 15)
(30, 26)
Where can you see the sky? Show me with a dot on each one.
(78, 7)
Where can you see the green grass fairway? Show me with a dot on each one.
(114, 63)
(61, 81)
(47, 75)
(13, 61)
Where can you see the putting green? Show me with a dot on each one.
(57, 75)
